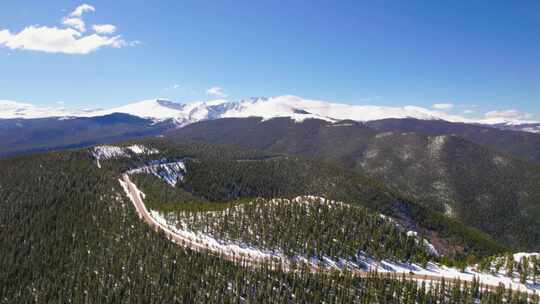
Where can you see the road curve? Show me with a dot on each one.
(257, 261)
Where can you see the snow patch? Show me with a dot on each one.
(427, 245)
(383, 135)
(342, 125)
(215, 244)
(140, 149)
(406, 153)
(104, 152)
(171, 172)
(500, 161)
(520, 255)
(371, 153)
(436, 144)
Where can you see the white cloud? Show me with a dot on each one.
(81, 9)
(76, 23)
(56, 40)
(509, 115)
(176, 86)
(104, 28)
(468, 111)
(216, 91)
(70, 40)
(443, 106)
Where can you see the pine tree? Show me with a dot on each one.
(524, 270)
(535, 268)
(510, 265)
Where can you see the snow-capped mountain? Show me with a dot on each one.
(13, 109)
(282, 106)
(299, 109)
(524, 127)
(182, 114)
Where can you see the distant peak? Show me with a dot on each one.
(169, 104)
(300, 111)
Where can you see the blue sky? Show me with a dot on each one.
(477, 55)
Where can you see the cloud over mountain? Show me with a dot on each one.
(443, 106)
(216, 91)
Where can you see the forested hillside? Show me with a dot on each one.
(308, 227)
(524, 145)
(69, 235)
(481, 187)
(217, 173)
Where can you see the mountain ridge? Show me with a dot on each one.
(297, 108)
(445, 172)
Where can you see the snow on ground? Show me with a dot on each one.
(532, 129)
(498, 264)
(107, 152)
(13, 109)
(342, 125)
(436, 144)
(170, 172)
(104, 152)
(360, 262)
(520, 255)
(469, 274)
(217, 245)
(433, 269)
(176, 223)
(429, 247)
(140, 149)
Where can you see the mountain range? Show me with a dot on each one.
(297, 108)
(26, 128)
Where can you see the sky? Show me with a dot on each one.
(464, 57)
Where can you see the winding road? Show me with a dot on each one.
(257, 261)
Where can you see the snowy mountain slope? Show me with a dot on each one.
(153, 108)
(182, 114)
(299, 108)
(295, 107)
(282, 106)
(525, 127)
(13, 109)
